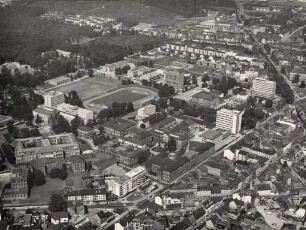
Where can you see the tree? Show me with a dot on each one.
(10, 126)
(283, 70)
(38, 120)
(75, 124)
(172, 144)
(100, 139)
(269, 103)
(8, 137)
(205, 78)
(130, 107)
(39, 177)
(90, 72)
(60, 124)
(63, 174)
(104, 115)
(302, 85)
(163, 103)
(142, 126)
(55, 172)
(57, 203)
(8, 153)
(296, 78)
(73, 99)
(145, 82)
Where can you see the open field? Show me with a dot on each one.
(89, 87)
(121, 96)
(127, 94)
(112, 9)
(43, 193)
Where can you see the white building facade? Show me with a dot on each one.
(229, 120)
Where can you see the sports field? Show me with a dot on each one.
(90, 87)
(128, 94)
(121, 97)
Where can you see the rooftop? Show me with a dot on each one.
(167, 164)
(135, 171)
(72, 109)
(118, 124)
(211, 134)
(49, 143)
(86, 192)
(45, 111)
(208, 96)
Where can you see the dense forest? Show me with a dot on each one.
(24, 36)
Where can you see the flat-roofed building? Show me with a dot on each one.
(139, 71)
(54, 98)
(59, 80)
(15, 194)
(146, 111)
(175, 78)
(87, 195)
(86, 132)
(54, 146)
(111, 70)
(122, 185)
(264, 88)
(118, 127)
(206, 99)
(44, 113)
(229, 120)
(70, 111)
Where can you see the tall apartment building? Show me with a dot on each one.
(264, 88)
(54, 146)
(175, 79)
(229, 120)
(54, 98)
(122, 185)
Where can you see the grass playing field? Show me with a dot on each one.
(121, 96)
(90, 87)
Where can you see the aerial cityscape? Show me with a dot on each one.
(152, 114)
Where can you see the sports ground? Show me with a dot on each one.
(132, 94)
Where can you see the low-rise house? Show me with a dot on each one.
(59, 217)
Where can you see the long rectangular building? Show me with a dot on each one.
(54, 146)
(70, 111)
